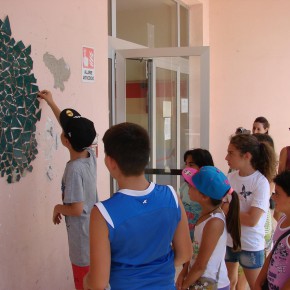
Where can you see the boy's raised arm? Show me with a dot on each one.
(47, 96)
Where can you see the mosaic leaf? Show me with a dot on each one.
(5, 27)
(19, 106)
(9, 179)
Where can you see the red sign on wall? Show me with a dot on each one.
(88, 64)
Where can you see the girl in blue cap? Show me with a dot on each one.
(210, 187)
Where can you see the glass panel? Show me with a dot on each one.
(184, 26)
(194, 102)
(184, 116)
(136, 92)
(166, 119)
(152, 23)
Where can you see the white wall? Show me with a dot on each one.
(33, 251)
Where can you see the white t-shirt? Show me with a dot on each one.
(216, 260)
(253, 191)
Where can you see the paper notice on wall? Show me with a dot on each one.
(88, 65)
(167, 129)
(166, 109)
(184, 105)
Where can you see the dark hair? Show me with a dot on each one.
(201, 157)
(129, 145)
(283, 180)
(232, 219)
(242, 130)
(265, 138)
(264, 121)
(263, 155)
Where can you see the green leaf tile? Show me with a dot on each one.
(29, 62)
(26, 136)
(6, 38)
(21, 62)
(34, 88)
(28, 101)
(4, 74)
(27, 50)
(38, 115)
(9, 179)
(11, 42)
(5, 27)
(20, 81)
(16, 133)
(17, 153)
(19, 46)
(3, 55)
(36, 100)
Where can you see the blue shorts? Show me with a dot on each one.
(247, 259)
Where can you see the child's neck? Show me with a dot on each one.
(206, 211)
(246, 170)
(133, 182)
(76, 155)
(286, 222)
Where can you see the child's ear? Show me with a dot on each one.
(205, 197)
(248, 155)
(66, 141)
(110, 162)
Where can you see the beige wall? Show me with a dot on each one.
(249, 69)
(250, 60)
(33, 251)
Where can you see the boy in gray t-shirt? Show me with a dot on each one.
(79, 193)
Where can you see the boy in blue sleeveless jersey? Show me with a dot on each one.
(140, 234)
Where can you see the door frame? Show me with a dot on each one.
(201, 51)
(119, 50)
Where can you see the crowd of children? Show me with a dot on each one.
(137, 238)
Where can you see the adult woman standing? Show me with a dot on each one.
(261, 125)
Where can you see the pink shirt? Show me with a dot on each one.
(279, 267)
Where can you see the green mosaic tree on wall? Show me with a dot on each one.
(19, 106)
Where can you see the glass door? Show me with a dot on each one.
(157, 99)
(166, 124)
(168, 96)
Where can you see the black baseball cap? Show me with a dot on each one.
(80, 131)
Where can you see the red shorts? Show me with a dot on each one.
(79, 274)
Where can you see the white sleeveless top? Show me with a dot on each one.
(217, 258)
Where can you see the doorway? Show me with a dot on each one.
(165, 95)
